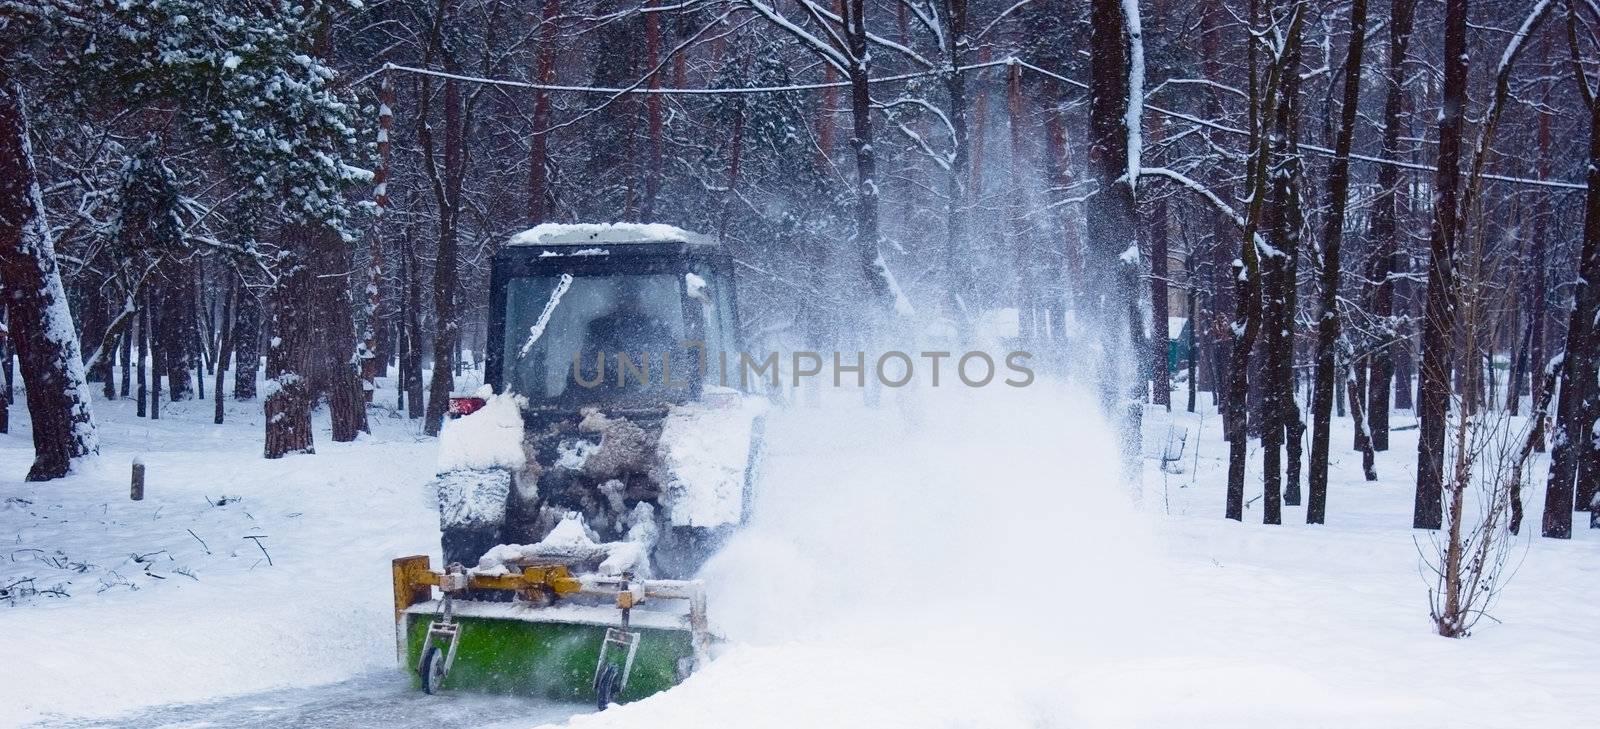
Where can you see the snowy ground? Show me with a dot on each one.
(166, 600)
(961, 560)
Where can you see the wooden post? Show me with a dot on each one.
(136, 489)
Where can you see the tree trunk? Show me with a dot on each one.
(224, 348)
(5, 396)
(158, 362)
(413, 326)
(198, 339)
(41, 322)
(1332, 237)
(735, 155)
(873, 270)
(1246, 325)
(401, 375)
(1112, 260)
(93, 328)
(1578, 395)
(109, 384)
(126, 363)
(1274, 278)
(176, 327)
(246, 344)
(1536, 301)
(1219, 302)
(1194, 323)
(1294, 426)
(1279, 414)
(1031, 317)
(825, 120)
(1362, 443)
(373, 359)
(1160, 334)
(336, 347)
(347, 405)
(957, 262)
(1385, 233)
(1247, 274)
(1517, 380)
(544, 72)
(1541, 409)
(653, 114)
(288, 391)
(1438, 322)
(1059, 170)
(976, 136)
(447, 192)
(144, 353)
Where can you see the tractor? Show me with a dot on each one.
(604, 459)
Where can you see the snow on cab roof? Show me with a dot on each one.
(583, 234)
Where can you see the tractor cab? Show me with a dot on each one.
(622, 316)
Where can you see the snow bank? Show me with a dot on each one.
(705, 450)
(564, 234)
(169, 599)
(488, 438)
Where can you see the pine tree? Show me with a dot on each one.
(1112, 259)
(41, 323)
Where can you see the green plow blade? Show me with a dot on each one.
(546, 658)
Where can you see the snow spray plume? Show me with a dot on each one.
(950, 557)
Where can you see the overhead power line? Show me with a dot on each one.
(665, 91)
(747, 90)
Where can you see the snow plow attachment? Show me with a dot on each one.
(538, 630)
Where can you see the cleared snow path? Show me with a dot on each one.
(380, 698)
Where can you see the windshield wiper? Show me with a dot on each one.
(537, 330)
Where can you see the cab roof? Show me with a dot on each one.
(592, 234)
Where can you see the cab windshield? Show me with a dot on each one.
(574, 337)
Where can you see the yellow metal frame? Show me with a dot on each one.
(415, 578)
